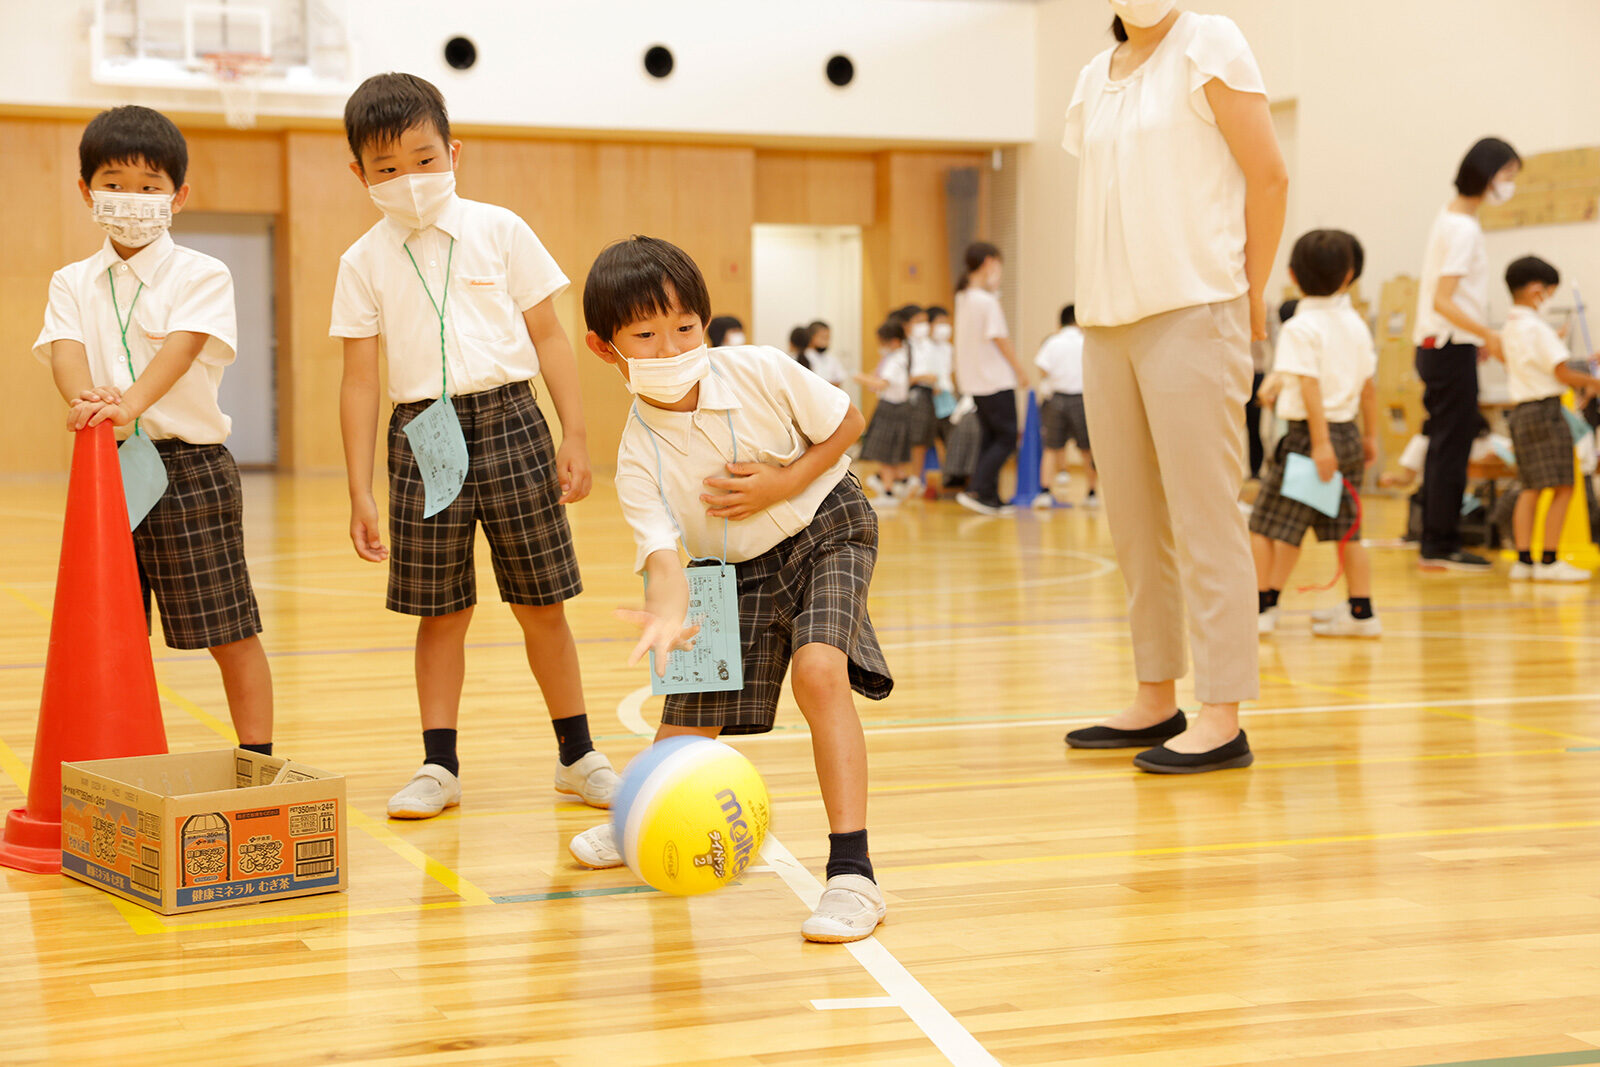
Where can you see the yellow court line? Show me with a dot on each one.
(419, 859)
(143, 920)
(1368, 697)
(1125, 773)
(1245, 846)
(13, 768)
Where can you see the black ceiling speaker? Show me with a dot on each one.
(658, 61)
(841, 71)
(460, 53)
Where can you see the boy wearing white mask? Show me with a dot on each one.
(740, 453)
(138, 335)
(457, 295)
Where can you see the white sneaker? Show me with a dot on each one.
(1327, 614)
(430, 791)
(972, 503)
(874, 483)
(1063, 478)
(884, 500)
(1559, 571)
(1521, 572)
(1044, 502)
(1092, 500)
(596, 847)
(907, 487)
(591, 779)
(1267, 621)
(850, 909)
(1344, 624)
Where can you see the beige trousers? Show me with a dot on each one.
(1165, 398)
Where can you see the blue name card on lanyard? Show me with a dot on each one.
(435, 435)
(144, 475)
(714, 664)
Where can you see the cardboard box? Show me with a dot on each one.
(181, 833)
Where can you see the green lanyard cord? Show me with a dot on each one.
(438, 309)
(122, 325)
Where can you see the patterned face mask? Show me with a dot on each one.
(132, 219)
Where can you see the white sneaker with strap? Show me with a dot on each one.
(596, 847)
(850, 909)
(591, 779)
(430, 791)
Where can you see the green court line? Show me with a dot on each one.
(573, 894)
(1551, 1059)
(1589, 748)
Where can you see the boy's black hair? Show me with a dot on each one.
(1069, 315)
(978, 253)
(1321, 261)
(818, 324)
(1287, 309)
(892, 330)
(1528, 270)
(133, 134)
(719, 327)
(800, 338)
(1358, 257)
(910, 311)
(1481, 163)
(638, 277)
(387, 105)
(1118, 30)
(937, 312)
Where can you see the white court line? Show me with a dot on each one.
(948, 1036)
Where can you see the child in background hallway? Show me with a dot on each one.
(1061, 416)
(1537, 374)
(924, 418)
(887, 441)
(1326, 358)
(819, 337)
(725, 331)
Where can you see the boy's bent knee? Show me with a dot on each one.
(455, 620)
(819, 670)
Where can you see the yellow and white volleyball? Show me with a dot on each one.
(691, 815)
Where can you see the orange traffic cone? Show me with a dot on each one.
(100, 697)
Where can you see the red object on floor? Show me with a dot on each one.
(100, 698)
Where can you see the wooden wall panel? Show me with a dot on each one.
(816, 188)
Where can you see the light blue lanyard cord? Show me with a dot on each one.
(661, 483)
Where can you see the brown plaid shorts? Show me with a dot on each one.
(190, 549)
(811, 587)
(1543, 444)
(511, 488)
(1282, 519)
(1061, 419)
(924, 422)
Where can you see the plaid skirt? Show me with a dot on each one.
(1542, 443)
(924, 424)
(888, 436)
(811, 587)
(1282, 519)
(1062, 419)
(190, 549)
(961, 448)
(511, 488)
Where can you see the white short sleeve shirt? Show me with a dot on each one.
(778, 410)
(1533, 351)
(497, 269)
(895, 368)
(1160, 196)
(161, 289)
(981, 369)
(1328, 341)
(826, 366)
(1456, 248)
(1060, 361)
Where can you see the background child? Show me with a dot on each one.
(987, 370)
(1537, 374)
(924, 420)
(888, 439)
(775, 436)
(1326, 358)
(1061, 417)
(138, 335)
(440, 277)
(819, 338)
(725, 330)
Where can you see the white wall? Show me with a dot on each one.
(1388, 97)
(937, 70)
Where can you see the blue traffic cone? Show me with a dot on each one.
(1030, 456)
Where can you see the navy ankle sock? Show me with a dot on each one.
(439, 748)
(1525, 556)
(1548, 558)
(847, 854)
(264, 749)
(572, 734)
(1361, 607)
(1268, 598)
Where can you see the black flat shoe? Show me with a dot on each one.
(1162, 760)
(1111, 737)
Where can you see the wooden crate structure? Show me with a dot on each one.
(1400, 411)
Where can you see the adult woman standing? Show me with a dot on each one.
(1452, 335)
(1181, 197)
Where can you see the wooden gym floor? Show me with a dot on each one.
(1410, 874)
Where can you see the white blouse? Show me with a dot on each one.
(1160, 196)
(1456, 248)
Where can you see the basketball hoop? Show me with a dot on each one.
(237, 75)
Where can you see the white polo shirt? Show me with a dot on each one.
(497, 270)
(895, 369)
(778, 408)
(1533, 351)
(182, 290)
(1060, 360)
(1326, 340)
(827, 366)
(1456, 248)
(980, 368)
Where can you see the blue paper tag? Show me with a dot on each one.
(1575, 422)
(144, 476)
(1469, 503)
(714, 664)
(1503, 450)
(944, 404)
(1301, 482)
(441, 451)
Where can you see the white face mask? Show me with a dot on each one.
(1142, 13)
(1501, 191)
(734, 338)
(919, 331)
(943, 331)
(667, 380)
(132, 219)
(414, 200)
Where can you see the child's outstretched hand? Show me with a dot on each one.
(750, 489)
(659, 635)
